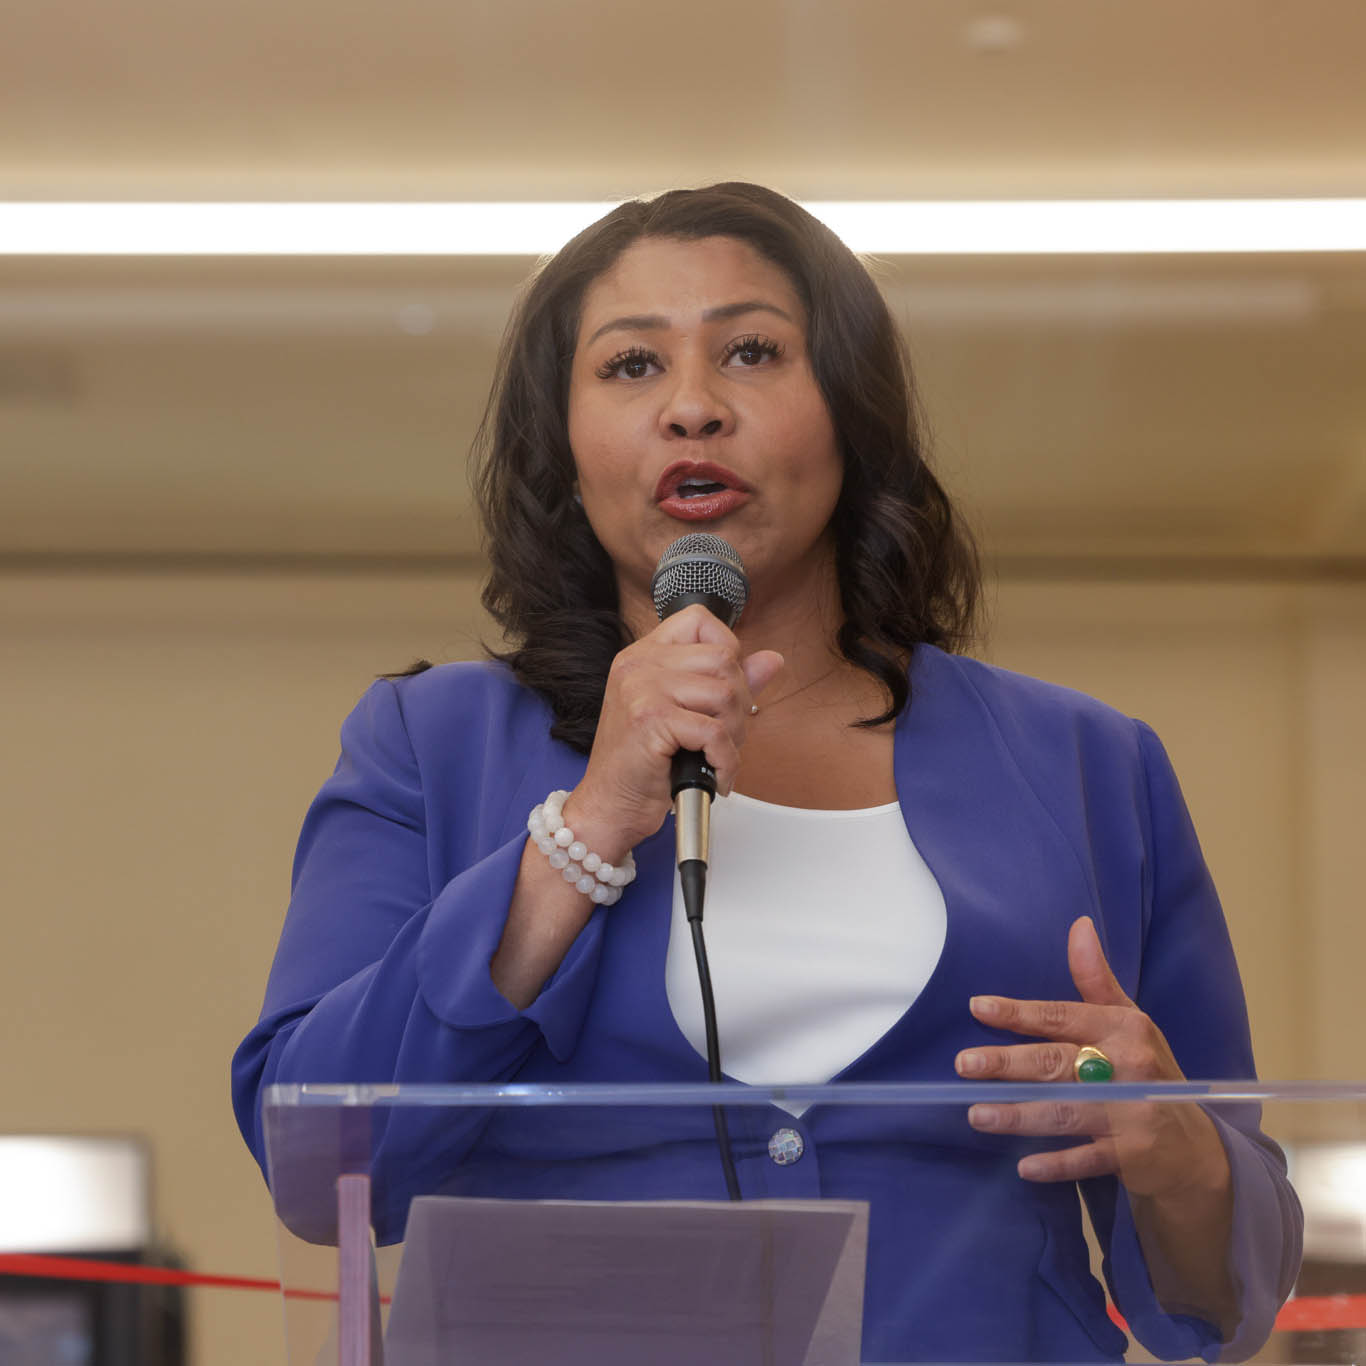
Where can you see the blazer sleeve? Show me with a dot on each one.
(381, 976)
(1189, 986)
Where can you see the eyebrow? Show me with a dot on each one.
(645, 322)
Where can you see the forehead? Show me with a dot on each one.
(680, 279)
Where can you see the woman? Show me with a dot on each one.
(1028, 880)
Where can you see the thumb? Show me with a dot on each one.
(1090, 972)
(761, 668)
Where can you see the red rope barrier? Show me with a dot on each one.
(1309, 1314)
(1322, 1313)
(86, 1269)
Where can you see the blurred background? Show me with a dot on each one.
(233, 489)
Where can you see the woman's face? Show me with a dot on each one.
(692, 407)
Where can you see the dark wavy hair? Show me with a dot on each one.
(908, 571)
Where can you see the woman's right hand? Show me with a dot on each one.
(683, 686)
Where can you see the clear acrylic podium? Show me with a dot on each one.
(503, 1224)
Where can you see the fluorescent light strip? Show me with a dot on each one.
(916, 228)
(1087, 227)
(335, 229)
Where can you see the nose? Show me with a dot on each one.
(693, 406)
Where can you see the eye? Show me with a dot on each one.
(752, 351)
(634, 363)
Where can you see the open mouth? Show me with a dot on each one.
(698, 488)
(686, 480)
(698, 491)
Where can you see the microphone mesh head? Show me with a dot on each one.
(701, 565)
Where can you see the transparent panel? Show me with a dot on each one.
(515, 1224)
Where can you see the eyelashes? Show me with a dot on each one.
(634, 362)
(754, 345)
(636, 358)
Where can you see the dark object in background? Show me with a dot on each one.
(1322, 1276)
(46, 1321)
(84, 1196)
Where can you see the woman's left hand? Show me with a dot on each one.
(1159, 1150)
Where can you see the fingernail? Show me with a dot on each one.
(971, 1063)
(984, 1005)
(983, 1116)
(1030, 1167)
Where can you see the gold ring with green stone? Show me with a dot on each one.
(1092, 1065)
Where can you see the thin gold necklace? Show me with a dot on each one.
(787, 696)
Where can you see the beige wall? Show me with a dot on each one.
(162, 735)
(1219, 671)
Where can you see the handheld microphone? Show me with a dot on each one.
(698, 567)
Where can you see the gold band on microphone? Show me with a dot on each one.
(692, 823)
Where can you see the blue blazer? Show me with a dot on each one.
(1030, 803)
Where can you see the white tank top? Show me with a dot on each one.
(822, 928)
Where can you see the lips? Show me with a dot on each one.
(698, 490)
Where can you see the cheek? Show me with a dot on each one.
(600, 443)
(817, 467)
(577, 430)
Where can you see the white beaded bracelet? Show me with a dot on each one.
(600, 881)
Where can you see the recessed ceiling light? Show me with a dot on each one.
(993, 33)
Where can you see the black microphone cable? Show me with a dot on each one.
(693, 875)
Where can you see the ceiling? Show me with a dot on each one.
(1164, 409)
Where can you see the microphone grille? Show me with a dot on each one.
(701, 565)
